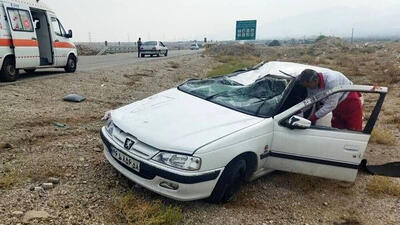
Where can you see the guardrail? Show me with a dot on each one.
(116, 49)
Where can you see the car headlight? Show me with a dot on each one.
(110, 127)
(179, 161)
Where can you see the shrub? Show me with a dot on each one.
(383, 185)
(382, 136)
(133, 209)
(274, 43)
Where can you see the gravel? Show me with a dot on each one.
(84, 185)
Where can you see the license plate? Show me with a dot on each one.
(128, 161)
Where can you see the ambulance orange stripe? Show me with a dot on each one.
(25, 43)
(5, 42)
(63, 45)
(31, 43)
(18, 43)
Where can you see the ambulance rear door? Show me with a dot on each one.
(24, 39)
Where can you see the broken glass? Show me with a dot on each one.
(259, 98)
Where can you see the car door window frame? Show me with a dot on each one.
(314, 99)
(21, 23)
(60, 27)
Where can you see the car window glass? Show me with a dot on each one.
(259, 98)
(20, 20)
(56, 26)
(63, 33)
(150, 43)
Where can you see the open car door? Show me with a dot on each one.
(327, 152)
(23, 35)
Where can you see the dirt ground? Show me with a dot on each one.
(33, 149)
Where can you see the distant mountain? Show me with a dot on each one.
(335, 21)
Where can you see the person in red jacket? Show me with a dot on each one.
(346, 107)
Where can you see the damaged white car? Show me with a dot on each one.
(205, 137)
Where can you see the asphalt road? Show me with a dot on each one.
(90, 63)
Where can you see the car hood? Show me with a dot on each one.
(179, 122)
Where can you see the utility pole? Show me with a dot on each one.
(129, 38)
(90, 37)
(352, 35)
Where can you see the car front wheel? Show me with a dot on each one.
(71, 64)
(230, 181)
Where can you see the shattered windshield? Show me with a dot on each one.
(258, 99)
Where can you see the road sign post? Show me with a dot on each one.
(246, 30)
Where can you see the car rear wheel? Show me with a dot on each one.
(71, 64)
(8, 72)
(230, 181)
(166, 53)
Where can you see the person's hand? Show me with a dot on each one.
(313, 119)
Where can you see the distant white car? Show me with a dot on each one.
(153, 48)
(205, 137)
(194, 46)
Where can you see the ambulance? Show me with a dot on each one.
(32, 37)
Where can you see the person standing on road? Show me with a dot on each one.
(139, 45)
(346, 107)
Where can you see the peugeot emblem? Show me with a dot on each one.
(128, 143)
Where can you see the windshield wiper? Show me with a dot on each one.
(287, 74)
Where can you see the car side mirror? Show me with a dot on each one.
(69, 35)
(297, 122)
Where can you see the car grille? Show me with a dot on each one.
(139, 148)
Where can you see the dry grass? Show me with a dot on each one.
(174, 64)
(393, 119)
(383, 136)
(132, 209)
(43, 172)
(229, 64)
(383, 185)
(9, 179)
(352, 220)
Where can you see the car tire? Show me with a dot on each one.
(166, 53)
(159, 54)
(30, 71)
(8, 71)
(142, 55)
(71, 64)
(151, 55)
(230, 181)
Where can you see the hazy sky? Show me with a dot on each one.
(118, 20)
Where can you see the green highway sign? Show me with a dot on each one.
(246, 30)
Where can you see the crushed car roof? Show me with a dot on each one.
(275, 68)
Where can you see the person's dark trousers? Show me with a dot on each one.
(138, 53)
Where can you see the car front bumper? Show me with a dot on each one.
(191, 186)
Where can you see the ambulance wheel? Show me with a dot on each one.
(230, 181)
(166, 53)
(71, 64)
(8, 72)
(30, 71)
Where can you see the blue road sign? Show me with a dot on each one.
(246, 30)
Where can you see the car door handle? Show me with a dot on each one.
(33, 38)
(351, 148)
